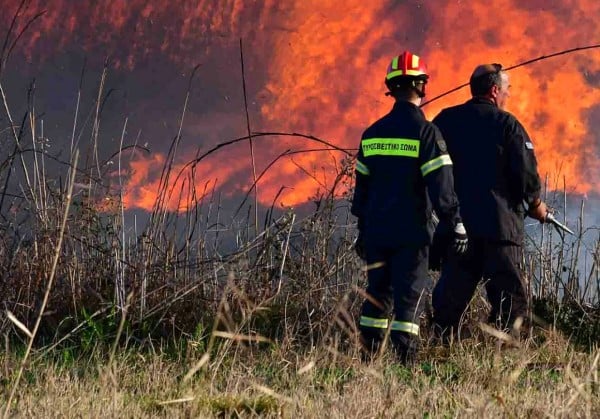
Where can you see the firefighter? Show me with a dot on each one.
(402, 168)
(497, 183)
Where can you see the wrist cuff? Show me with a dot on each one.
(535, 204)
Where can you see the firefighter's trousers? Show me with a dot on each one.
(497, 264)
(398, 281)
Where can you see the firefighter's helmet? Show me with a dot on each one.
(406, 64)
(407, 68)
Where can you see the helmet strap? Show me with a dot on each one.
(421, 91)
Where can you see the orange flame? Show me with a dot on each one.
(337, 61)
(325, 62)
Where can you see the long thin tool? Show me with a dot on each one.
(560, 227)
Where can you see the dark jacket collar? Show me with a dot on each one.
(481, 101)
(405, 105)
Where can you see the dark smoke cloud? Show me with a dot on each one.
(592, 78)
(541, 118)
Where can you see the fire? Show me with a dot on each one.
(552, 98)
(340, 86)
(323, 63)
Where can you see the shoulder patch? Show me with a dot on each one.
(529, 145)
(443, 147)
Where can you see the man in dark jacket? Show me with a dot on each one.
(497, 184)
(402, 168)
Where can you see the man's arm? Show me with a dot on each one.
(436, 168)
(523, 170)
(359, 200)
(361, 188)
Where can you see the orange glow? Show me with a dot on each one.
(144, 182)
(551, 98)
(332, 75)
(325, 63)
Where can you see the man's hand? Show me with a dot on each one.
(461, 241)
(538, 210)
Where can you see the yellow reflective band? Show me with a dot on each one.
(415, 61)
(404, 147)
(405, 327)
(395, 63)
(362, 168)
(431, 165)
(375, 265)
(373, 322)
(396, 73)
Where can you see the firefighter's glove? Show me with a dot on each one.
(538, 210)
(461, 241)
(359, 246)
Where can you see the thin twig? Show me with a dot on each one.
(249, 139)
(285, 251)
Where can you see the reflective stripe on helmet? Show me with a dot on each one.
(431, 165)
(373, 322)
(397, 73)
(415, 61)
(394, 65)
(404, 147)
(362, 168)
(407, 327)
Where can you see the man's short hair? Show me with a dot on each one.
(484, 77)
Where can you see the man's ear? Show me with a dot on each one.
(494, 90)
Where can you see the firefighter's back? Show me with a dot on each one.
(397, 203)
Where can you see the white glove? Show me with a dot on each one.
(461, 241)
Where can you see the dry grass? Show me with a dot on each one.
(473, 379)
